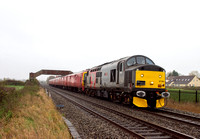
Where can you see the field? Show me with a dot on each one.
(17, 87)
(185, 95)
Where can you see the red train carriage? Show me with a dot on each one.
(73, 81)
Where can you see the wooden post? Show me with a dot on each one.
(196, 96)
(179, 95)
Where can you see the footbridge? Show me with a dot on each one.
(48, 72)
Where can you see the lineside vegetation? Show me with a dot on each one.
(30, 113)
(187, 99)
(185, 106)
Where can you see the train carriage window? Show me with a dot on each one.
(98, 74)
(113, 75)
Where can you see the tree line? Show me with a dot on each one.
(175, 73)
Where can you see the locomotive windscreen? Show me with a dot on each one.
(139, 60)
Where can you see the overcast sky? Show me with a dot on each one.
(76, 35)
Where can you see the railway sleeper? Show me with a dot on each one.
(151, 134)
(139, 131)
(159, 137)
(137, 128)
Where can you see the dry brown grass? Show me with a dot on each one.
(34, 117)
(185, 106)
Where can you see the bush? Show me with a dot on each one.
(31, 86)
(3, 92)
(7, 90)
(13, 82)
(9, 96)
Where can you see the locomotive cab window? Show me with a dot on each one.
(131, 61)
(113, 75)
(148, 61)
(140, 60)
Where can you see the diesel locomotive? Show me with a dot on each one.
(134, 80)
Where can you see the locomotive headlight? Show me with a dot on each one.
(140, 93)
(151, 83)
(160, 76)
(142, 75)
(165, 94)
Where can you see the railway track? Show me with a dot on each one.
(136, 127)
(183, 118)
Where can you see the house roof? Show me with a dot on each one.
(179, 79)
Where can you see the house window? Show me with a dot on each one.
(113, 75)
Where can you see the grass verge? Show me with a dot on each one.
(185, 106)
(30, 113)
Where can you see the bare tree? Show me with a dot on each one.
(195, 72)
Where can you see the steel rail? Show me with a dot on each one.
(182, 118)
(178, 114)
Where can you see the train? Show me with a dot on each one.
(134, 80)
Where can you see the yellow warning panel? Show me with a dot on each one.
(160, 103)
(139, 102)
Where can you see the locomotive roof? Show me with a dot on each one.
(96, 68)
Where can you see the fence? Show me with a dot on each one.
(185, 95)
